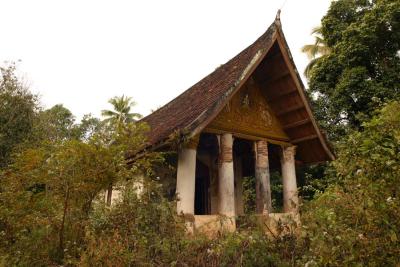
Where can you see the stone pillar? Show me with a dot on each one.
(263, 183)
(290, 195)
(186, 178)
(226, 186)
(238, 185)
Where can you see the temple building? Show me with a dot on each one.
(248, 117)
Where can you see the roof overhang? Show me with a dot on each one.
(186, 116)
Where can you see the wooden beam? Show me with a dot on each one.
(290, 109)
(282, 94)
(270, 80)
(297, 80)
(272, 139)
(306, 138)
(271, 59)
(273, 56)
(297, 123)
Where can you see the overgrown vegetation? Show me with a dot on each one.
(362, 69)
(17, 112)
(54, 172)
(356, 219)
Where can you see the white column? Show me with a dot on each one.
(186, 179)
(290, 194)
(263, 183)
(226, 186)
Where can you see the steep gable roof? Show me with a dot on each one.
(191, 111)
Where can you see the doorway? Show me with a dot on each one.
(202, 197)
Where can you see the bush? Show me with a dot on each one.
(49, 197)
(357, 220)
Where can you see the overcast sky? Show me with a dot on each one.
(82, 52)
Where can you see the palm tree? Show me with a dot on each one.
(121, 113)
(315, 51)
(118, 117)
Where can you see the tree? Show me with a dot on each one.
(55, 124)
(88, 127)
(315, 51)
(18, 109)
(362, 70)
(356, 221)
(121, 113)
(117, 118)
(47, 194)
(58, 124)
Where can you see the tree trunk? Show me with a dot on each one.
(109, 195)
(61, 246)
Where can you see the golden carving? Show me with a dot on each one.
(246, 101)
(249, 113)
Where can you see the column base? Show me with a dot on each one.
(210, 225)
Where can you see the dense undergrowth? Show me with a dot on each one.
(355, 221)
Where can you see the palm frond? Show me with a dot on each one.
(316, 30)
(108, 113)
(311, 64)
(122, 106)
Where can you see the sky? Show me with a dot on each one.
(80, 53)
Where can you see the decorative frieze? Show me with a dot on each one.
(249, 113)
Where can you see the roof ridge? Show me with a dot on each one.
(190, 112)
(222, 67)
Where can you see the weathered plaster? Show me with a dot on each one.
(226, 187)
(290, 195)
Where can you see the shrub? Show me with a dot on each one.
(356, 220)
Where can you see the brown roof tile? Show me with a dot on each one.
(185, 111)
(202, 101)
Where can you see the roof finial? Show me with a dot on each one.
(278, 15)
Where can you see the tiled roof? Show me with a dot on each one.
(191, 111)
(190, 108)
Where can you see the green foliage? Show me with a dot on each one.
(356, 220)
(51, 195)
(362, 69)
(142, 229)
(54, 171)
(17, 112)
(55, 124)
(315, 51)
(24, 124)
(58, 124)
(121, 113)
(88, 127)
(276, 191)
(47, 194)
(249, 194)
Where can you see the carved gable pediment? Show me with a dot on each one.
(248, 113)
